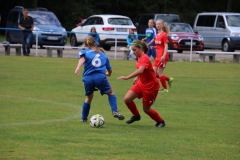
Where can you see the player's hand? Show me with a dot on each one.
(122, 78)
(77, 71)
(135, 80)
(107, 74)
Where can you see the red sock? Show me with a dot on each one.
(133, 108)
(167, 78)
(155, 116)
(163, 82)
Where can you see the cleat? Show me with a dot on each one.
(160, 124)
(163, 90)
(95, 89)
(83, 120)
(118, 115)
(133, 119)
(170, 82)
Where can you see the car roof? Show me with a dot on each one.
(213, 13)
(109, 15)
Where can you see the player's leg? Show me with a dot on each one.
(134, 92)
(86, 107)
(148, 100)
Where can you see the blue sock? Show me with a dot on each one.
(112, 99)
(85, 110)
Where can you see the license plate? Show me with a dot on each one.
(52, 38)
(189, 43)
(122, 29)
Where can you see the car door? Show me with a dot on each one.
(82, 31)
(206, 25)
(219, 31)
(12, 25)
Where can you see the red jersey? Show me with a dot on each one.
(160, 40)
(147, 80)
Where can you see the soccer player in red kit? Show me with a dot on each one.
(145, 86)
(162, 56)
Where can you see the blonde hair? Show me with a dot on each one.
(165, 26)
(90, 42)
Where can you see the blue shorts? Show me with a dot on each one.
(151, 52)
(96, 80)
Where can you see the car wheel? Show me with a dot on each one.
(106, 47)
(73, 40)
(225, 46)
(8, 38)
(179, 51)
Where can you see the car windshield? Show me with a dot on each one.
(119, 21)
(233, 20)
(168, 18)
(180, 28)
(44, 18)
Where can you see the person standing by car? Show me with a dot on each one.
(94, 75)
(145, 86)
(162, 56)
(130, 38)
(26, 24)
(150, 37)
(95, 35)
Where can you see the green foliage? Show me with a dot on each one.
(40, 106)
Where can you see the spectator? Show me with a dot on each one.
(26, 24)
(130, 38)
(95, 35)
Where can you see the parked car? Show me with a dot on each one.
(46, 26)
(141, 21)
(180, 38)
(221, 29)
(109, 27)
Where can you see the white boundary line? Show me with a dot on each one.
(42, 121)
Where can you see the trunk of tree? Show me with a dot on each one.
(35, 3)
(229, 6)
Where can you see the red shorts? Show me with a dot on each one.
(148, 98)
(158, 63)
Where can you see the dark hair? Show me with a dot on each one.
(140, 44)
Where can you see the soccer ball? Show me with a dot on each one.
(97, 121)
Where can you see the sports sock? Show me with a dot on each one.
(163, 82)
(133, 108)
(166, 78)
(154, 115)
(112, 99)
(85, 110)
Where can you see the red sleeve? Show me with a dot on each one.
(165, 38)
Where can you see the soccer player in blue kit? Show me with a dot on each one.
(95, 76)
(150, 38)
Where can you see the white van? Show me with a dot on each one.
(219, 30)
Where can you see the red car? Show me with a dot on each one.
(180, 38)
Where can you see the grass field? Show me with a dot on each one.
(40, 105)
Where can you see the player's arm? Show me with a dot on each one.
(109, 73)
(134, 74)
(80, 63)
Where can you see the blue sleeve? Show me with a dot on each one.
(108, 65)
(129, 42)
(97, 38)
(136, 37)
(82, 53)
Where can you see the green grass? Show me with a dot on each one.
(40, 106)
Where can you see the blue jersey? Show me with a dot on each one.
(94, 62)
(150, 34)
